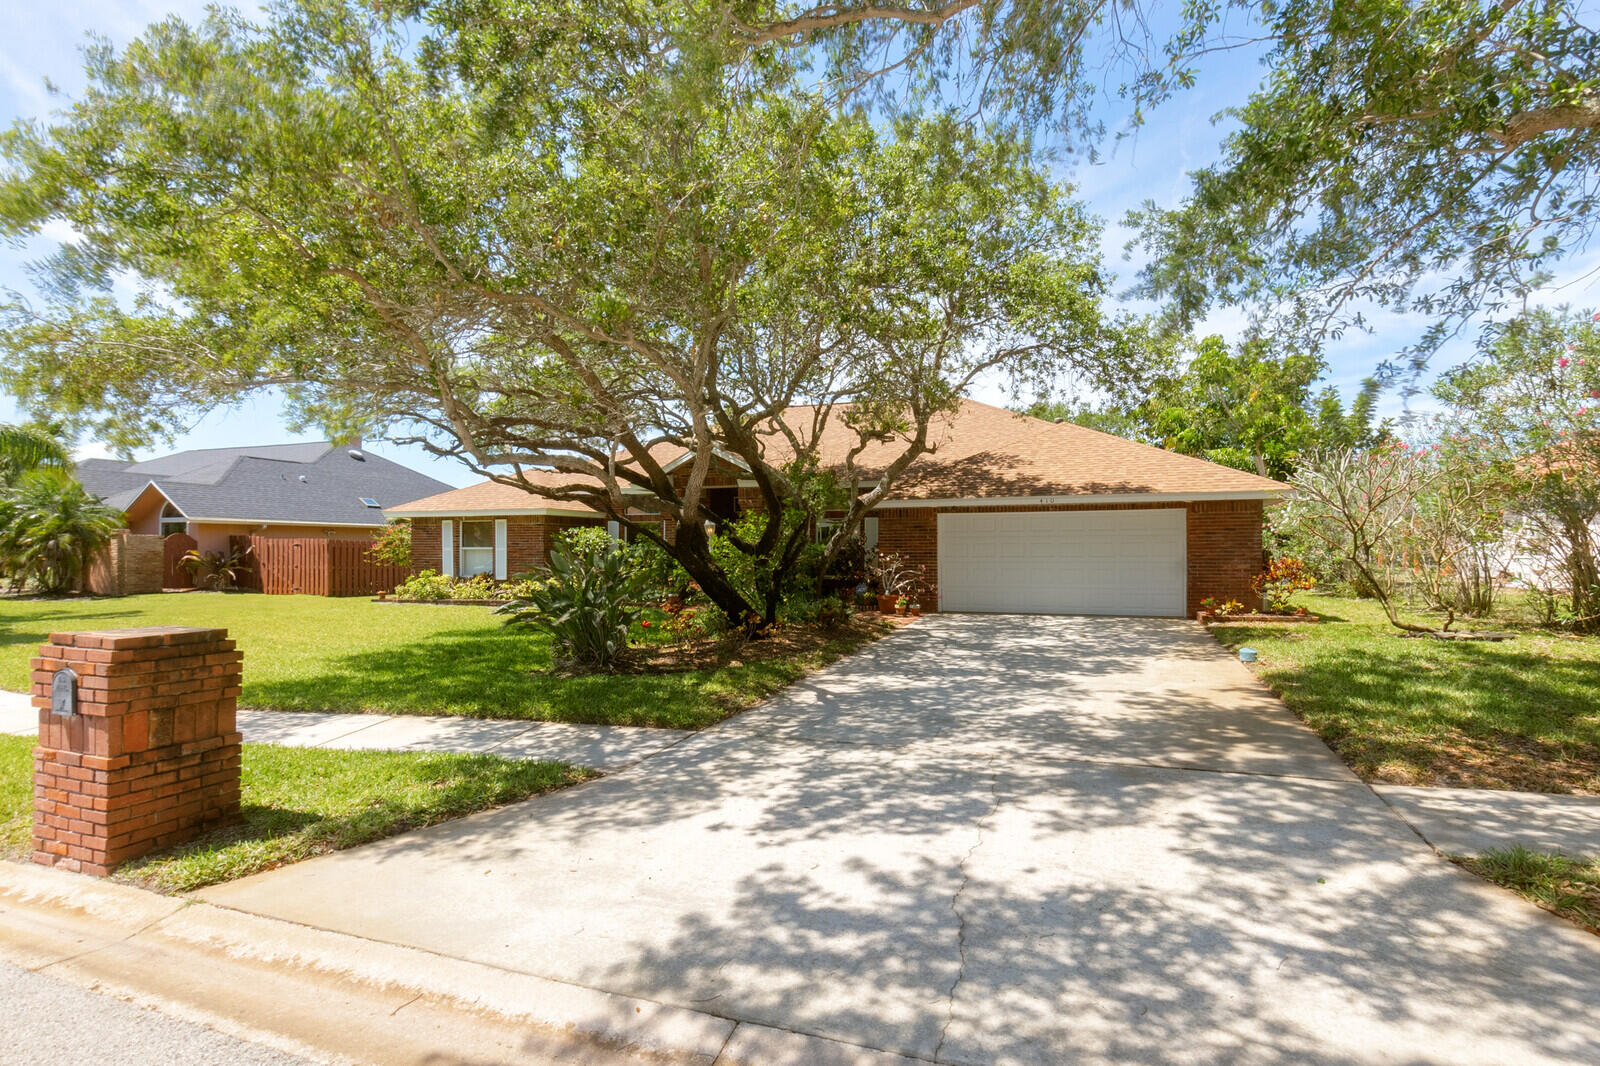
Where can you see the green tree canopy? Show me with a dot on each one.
(1248, 408)
(1435, 157)
(1432, 156)
(25, 448)
(631, 262)
(1529, 405)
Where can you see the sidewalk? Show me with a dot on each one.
(329, 996)
(599, 747)
(17, 715)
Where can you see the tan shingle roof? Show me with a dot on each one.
(491, 496)
(982, 451)
(978, 452)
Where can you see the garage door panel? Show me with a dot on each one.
(1064, 562)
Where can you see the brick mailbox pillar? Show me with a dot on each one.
(138, 748)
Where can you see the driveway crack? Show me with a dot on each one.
(961, 917)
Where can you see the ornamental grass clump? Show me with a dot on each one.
(587, 606)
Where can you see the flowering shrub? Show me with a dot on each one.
(894, 573)
(1221, 608)
(391, 545)
(1282, 578)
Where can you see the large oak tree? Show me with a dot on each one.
(625, 256)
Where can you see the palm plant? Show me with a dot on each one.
(51, 529)
(23, 448)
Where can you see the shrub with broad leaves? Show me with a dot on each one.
(587, 605)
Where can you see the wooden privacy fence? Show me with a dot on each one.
(313, 566)
(173, 574)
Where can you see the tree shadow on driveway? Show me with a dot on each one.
(942, 847)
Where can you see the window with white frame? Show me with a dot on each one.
(868, 531)
(477, 548)
(173, 521)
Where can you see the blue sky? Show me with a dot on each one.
(42, 41)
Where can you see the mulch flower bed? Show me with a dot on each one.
(1212, 618)
(442, 603)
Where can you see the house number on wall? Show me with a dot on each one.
(64, 692)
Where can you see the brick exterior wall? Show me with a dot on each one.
(1225, 551)
(426, 553)
(528, 540)
(131, 565)
(1223, 543)
(150, 760)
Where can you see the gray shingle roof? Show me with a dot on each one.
(312, 483)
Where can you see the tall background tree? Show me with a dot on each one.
(1245, 407)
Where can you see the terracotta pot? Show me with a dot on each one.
(916, 612)
(886, 604)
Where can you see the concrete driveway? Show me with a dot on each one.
(996, 839)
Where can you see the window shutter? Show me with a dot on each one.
(447, 544)
(869, 533)
(499, 549)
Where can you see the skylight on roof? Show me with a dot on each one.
(369, 501)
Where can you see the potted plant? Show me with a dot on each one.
(916, 610)
(901, 604)
(895, 575)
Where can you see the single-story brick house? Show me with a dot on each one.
(1007, 513)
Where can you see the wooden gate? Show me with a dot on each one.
(173, 549)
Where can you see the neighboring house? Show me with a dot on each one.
(319, 490)
(1007, 514)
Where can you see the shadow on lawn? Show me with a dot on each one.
(503, 675)
(1463, 715)
(15, 631)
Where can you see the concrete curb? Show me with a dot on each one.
(336, 997)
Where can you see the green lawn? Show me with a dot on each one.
(16, 794)
(1564, 884)
(314, 653)
(1523, 714)
(300, 802)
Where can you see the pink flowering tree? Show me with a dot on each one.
(1530, 403)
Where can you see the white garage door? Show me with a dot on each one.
(1064, 562)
